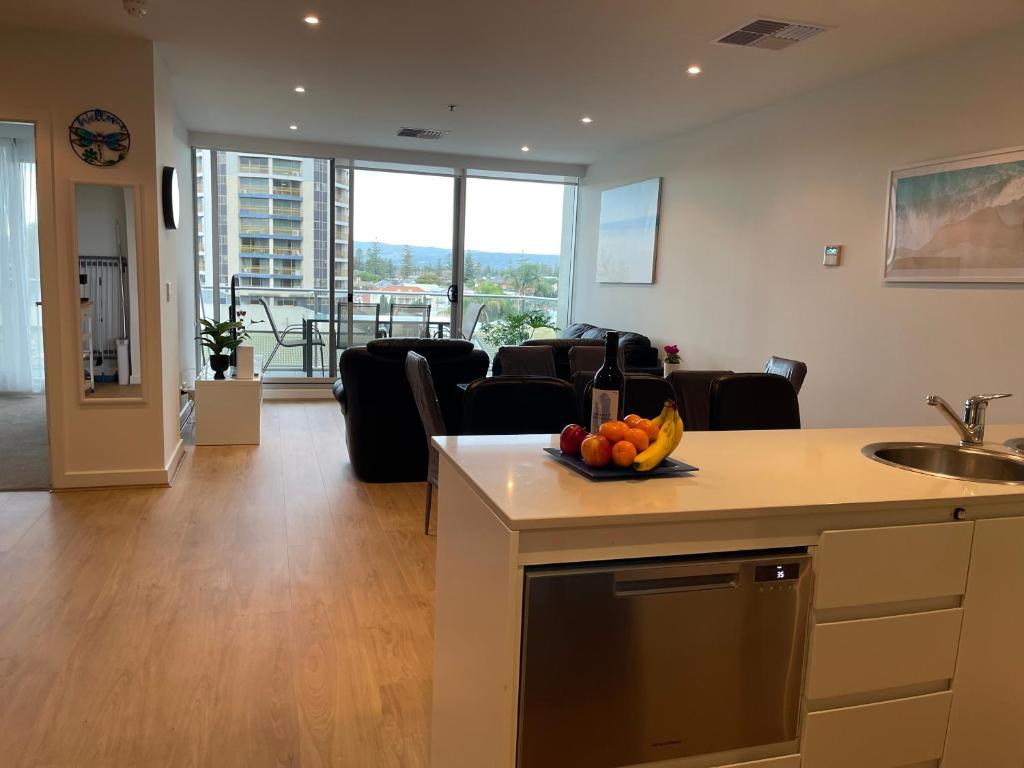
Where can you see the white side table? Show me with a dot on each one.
(228, 410)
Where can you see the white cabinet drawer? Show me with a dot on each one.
(875, 654)
(868, 566)
(885, 735)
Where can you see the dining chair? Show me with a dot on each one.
(524, 361)
(645, 396)
(357, 324)
(754, 401)
(517, 405)
(417, 371)
(793, 370)
(692, 391)
(281, 337)
(410, 321)
(470, 318)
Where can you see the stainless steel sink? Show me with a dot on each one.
(1016, 444)
(957, 462)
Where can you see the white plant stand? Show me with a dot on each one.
(227, 411)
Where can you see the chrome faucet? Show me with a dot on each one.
(972, 427)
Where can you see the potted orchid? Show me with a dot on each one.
(672, 360)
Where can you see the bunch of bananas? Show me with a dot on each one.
(670, 432)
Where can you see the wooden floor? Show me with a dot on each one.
(267, 610)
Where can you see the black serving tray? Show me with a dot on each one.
(667, 468)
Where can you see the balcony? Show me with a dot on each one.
(287, 256)
(289, 362)
(256, 235)
(249, 214)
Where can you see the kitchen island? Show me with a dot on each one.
(915, 626)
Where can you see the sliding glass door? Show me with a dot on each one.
(518, 258)
(402, 255)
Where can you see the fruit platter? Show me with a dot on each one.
(634, 448)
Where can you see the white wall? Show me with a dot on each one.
(177, 262)
(91, 443)
(99, 216)
(748, 205)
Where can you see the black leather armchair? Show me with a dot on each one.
(386, 441)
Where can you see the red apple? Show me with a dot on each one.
(596, 451)
(572, 437)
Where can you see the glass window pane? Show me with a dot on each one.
(341, 238)
(402, 249)
(519, 243)
(204, 233)
(274, 231)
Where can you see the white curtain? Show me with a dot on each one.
(21, 339)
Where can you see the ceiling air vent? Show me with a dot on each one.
(771, 34)
(420, 133)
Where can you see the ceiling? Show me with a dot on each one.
(520, 72)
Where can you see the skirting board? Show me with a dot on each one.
(296, 393)
(123, 478)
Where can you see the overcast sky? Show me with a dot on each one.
(506, 216)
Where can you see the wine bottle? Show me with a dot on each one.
(609, 386)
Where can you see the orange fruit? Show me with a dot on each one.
(632, 419)
(614, 431)
(623, 453)
(638, 438)
(649, 427)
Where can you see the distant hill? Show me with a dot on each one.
(425, 256)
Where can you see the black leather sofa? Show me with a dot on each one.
(638, 354)
(386, 442)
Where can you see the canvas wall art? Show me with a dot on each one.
(958, 221)
(628, 233)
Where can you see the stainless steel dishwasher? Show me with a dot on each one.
(639, 661)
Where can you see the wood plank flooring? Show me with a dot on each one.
(267, 610)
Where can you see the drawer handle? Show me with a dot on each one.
(676, 584)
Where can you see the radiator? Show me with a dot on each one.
(106, 284)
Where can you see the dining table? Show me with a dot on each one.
(436, 329)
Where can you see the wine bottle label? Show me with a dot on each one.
(604, 407)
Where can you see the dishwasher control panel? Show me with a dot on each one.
(776, 577)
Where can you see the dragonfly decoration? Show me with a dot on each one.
(99, 137)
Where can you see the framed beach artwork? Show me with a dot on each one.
(628, 233)
(958, 221)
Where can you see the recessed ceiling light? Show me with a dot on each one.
(293, 127)
(311, 19)
(300, 89)
(525, 148)
(586, 119)
(694, 70)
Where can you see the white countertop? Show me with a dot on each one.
(741, 473)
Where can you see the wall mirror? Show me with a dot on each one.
(108, 286)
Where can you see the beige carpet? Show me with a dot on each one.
(24, 454)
